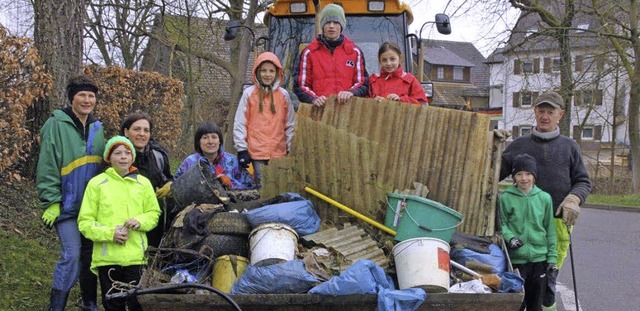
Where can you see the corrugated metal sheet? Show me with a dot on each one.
(357, 152)
(352, 242)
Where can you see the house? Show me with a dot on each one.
(529, 65)
(207, 85)
(460, 76)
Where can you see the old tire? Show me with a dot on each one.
(216, 245)
(229, 223)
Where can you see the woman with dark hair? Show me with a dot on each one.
(152, 162)
(208, 143)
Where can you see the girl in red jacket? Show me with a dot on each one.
(393, 83)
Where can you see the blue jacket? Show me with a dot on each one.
(69, 157)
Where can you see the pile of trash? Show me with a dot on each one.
(275, 246)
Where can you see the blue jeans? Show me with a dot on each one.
(75, 258)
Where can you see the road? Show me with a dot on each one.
(606, 248)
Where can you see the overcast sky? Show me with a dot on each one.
(468, 24)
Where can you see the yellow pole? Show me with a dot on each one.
(350, 211)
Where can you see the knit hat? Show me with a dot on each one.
(116, 141)
(80, 83)
(552, 98)
(524, 162)
(333, 13)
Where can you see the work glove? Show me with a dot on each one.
(244, 158)
(51, 214)
(515, 243)
(501, 135)
(570, 209)
(164, 191)
(551, 267)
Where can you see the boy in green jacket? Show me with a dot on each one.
(526, 213)
(118, 209)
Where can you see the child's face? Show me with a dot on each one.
(121, 159)
(389, 61)
(524, 180)
(267, 72)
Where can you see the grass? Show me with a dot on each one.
(624, 200)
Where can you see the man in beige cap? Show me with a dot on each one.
(561, 173)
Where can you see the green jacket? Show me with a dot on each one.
(109, 201)
(69, 157)
(530, 218)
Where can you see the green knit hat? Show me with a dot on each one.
(333, 13)
(114, 142)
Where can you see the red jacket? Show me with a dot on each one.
(398, 82)
(322, 73)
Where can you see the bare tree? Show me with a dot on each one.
(620, 25)
(559, 22)
(116, 29)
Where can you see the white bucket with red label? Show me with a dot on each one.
(424, 263)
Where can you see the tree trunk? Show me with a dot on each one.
(58, 38)
(634, 122)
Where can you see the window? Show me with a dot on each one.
(527, 99)
(527, 66)
(440, 73)
(587, 132)
(525, 130)
(458, 73)
(582, 28)
(555, 64)
(587, 97)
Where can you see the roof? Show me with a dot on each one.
(456, 53)
(452, 94)
(531, 34)
(496, 57)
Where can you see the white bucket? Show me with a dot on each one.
(272, 243)
(424, 263)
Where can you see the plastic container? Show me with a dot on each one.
(424, 263)
(272, 243)
(421, 218)
(227, 270)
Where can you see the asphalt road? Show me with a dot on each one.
(606, 248)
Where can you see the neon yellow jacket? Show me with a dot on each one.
(109, 201)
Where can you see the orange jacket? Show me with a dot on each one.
(265, 134)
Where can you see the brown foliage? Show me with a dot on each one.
(123, 91)
(23, 82)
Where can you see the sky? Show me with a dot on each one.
(468, 24)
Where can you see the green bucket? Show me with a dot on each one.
(418, 217)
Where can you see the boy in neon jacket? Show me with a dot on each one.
(526, 213)
(265, 119)
(118, 208)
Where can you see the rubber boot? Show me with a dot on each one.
(88, 281)
(58, 300)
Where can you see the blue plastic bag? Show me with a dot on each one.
(298, 213)
(363, 277)
(289, 277)
(511, 283)
(366, 277)
(495, 258)
(408, 299)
